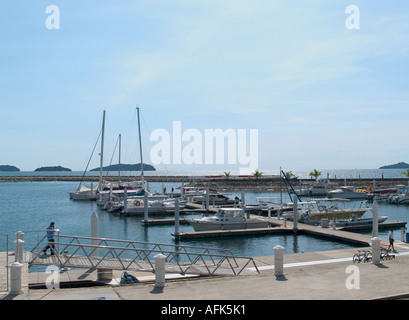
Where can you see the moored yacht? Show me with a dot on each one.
(227, 219)
(346, 192)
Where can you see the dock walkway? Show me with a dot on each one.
(323, 275)
(279, 226)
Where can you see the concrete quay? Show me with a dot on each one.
(323, 275)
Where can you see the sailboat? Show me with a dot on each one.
(83, 192)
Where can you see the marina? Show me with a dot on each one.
(217, 151)
(73, 218)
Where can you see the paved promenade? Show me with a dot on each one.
(316, 275)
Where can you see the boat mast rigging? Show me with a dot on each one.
(102, 152)
(140, 142)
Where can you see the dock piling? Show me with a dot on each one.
(375, 215)
(94, 233)
(177, 222)
(145, 207)
(295, 217)
(243, 199)
(207, 199)
(125, 201)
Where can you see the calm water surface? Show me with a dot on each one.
(31, 206)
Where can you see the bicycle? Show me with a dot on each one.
(366, 256)
(385, 255)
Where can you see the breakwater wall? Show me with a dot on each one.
(235, 183)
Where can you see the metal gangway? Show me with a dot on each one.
(113, 254)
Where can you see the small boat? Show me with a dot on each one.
(227, 219)
(382, 195)
(314, 188)
(355, 221)
(348, 193)
(402, 197)
(198, 195)
(167, 206)
(85, 193)
(312, 212)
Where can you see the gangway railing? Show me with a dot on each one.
(114, 254)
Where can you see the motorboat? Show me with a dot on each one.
(355, 221)
(267, 204)
(312, 212)
(314, 188)
(402, 197)
(198, 195)
(216, 198)
(382, 195)
(136, 205)
(228, 219)
(107, 199)
(346, 192)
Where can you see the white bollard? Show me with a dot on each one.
(278, 260)
(18, 250)
(160, 271)
(20, 235)
(15, 277)
(376, 250)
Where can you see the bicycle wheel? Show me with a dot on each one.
(368, 257)
(356, 258)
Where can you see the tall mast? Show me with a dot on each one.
(102, 152)
(119, 160)
(140, 143)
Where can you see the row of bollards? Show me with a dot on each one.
(279, 256)
(160, 259)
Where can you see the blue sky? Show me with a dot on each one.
(321, 96)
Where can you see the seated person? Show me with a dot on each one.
(127, 278)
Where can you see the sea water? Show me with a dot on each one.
(31, 206)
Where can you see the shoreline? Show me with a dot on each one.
(235, 183)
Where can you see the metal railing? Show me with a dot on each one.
(102, 253)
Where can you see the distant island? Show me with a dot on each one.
(57, 168)
(127, 167)
(8, 168)
(400, 165)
